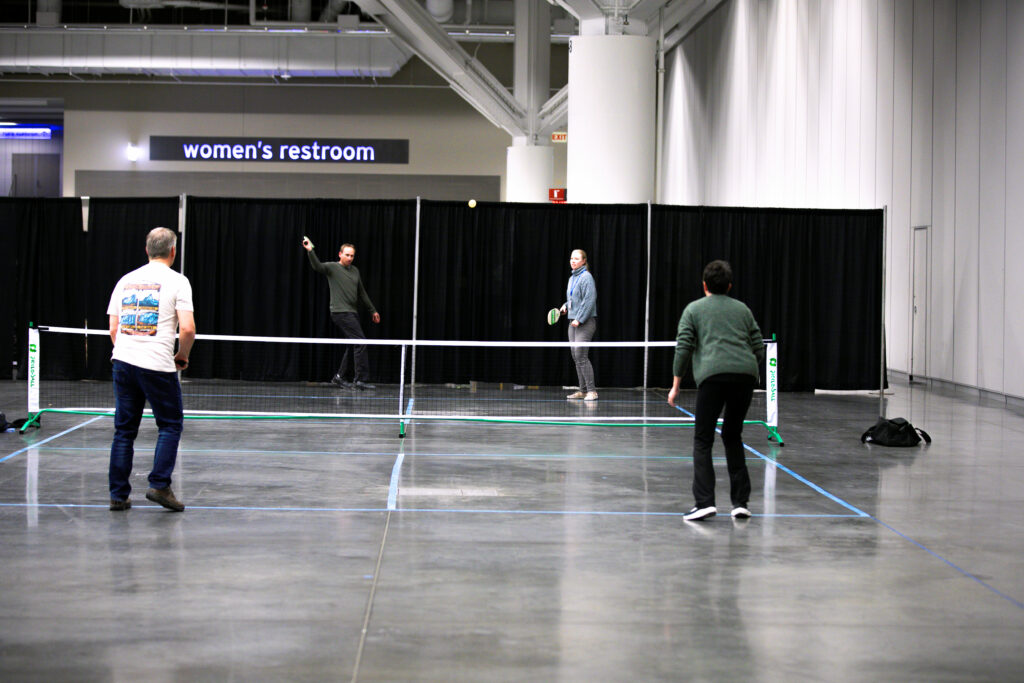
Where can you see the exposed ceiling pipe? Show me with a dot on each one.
(193, 4)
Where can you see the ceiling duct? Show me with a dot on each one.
(201, 53)
(194, 4)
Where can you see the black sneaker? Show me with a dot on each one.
(697, 513)
(119, 505)
(342, 383)
(166, 498)
(360, 384)
(741, 512)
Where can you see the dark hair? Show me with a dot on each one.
(718, 276)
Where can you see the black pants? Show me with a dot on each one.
(733, 392)
(348, 324)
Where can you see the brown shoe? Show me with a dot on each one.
(166, 498)
(119, 505)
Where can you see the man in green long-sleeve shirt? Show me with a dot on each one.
(347, 295)
(724, 342)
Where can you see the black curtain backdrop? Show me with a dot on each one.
(492, 272)
(812, 277)
(46, 248)
(250, 276)
(9, 278)
(116, 245)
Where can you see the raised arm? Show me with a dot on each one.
(314, 261)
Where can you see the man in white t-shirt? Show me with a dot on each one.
(147, 307)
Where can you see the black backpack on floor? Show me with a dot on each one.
(894, 432)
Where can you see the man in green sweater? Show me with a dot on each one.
(721, 337)
(347, 295)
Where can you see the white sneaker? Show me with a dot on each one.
(700, 513)
(740, 512)
(576, 394)
(591, 396)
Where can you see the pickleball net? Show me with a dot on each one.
(415, 381)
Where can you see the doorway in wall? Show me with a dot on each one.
(920, 268)
(35, 175)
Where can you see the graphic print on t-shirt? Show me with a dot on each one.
(140, 309)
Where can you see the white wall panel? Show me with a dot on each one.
(899, 292)
(863, 103)
(992, 193)
(1013, 313)
(812, 189)
(921, 126)
(940, 305)
(885, 116)
(967, 168)
(830, 167)
(868, 84)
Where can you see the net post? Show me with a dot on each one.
(881, 355)
(415, 293)
(647, 299)
(771, 361)
(33, 369)
(181, 231)
(401, 394)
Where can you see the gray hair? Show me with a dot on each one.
(159, 242)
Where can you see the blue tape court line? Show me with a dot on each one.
(393, 485)
(47, 440)
(860, 513)
(683, 410)
(393, 493)
(243, 508)
(543, 456)
(807, 482)
(796, 476)
(934, 554)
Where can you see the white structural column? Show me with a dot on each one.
(612, 88)
(529, 164)
(529, 170)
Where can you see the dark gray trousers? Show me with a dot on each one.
(581, 354)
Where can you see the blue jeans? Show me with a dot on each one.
(133, 386)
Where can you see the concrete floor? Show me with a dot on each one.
(315, 551)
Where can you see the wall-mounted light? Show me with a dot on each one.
(132, 152)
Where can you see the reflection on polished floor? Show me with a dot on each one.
(320, 551)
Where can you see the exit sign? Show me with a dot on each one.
(561, 136)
